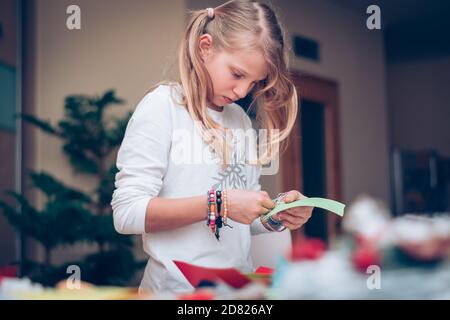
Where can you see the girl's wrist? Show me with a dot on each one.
(217, 212)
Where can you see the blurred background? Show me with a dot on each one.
(374, 116)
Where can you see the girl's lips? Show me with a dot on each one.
(228, 100)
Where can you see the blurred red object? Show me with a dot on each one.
(264, 270)
(196, 274)
(364, 256)
(8, 272)
(197, 295)
(307, 249)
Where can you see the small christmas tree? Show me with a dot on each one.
(69, 215)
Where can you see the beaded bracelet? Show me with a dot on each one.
(212, 210)
(218, 217)
(217, 211)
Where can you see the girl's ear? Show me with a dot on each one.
(205, 46)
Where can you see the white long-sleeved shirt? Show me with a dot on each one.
(163, 155)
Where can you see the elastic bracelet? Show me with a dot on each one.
(272, 225)
(225, 208)
(277, 225)
(265, 223)
(273, 222)
(208, 212)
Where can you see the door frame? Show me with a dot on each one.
(324, 91)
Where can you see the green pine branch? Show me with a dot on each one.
(70, 215)
(53, 188)
(42, 124)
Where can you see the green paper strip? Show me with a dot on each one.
(327, 204)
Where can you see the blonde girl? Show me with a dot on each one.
(184, 182)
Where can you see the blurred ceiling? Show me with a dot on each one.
(413, 29)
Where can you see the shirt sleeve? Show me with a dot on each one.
(142, 162)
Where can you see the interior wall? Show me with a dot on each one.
(7, 232)
(419, 104)
(8, 78)
(8, 40)
(353, 56)
(124, 45)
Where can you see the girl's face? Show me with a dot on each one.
(233, 74)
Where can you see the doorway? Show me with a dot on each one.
(311, 162)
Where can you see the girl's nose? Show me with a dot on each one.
(240, 91)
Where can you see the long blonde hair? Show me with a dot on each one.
(236, 25)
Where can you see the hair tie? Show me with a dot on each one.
(210, 12)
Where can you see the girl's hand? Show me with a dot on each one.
(294, 218)
(244, 206)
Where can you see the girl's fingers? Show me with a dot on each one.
(290, 226)
(268, 203)
(264, 210)
(293, 195)
(295, 220)
(276, 217)
(290, 196)
(301, 196)
(305, 212)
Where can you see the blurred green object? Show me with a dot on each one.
(327, 204)
(7, 96)
(72, 216)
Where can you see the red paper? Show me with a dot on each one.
(196, 274)
(264, 270)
